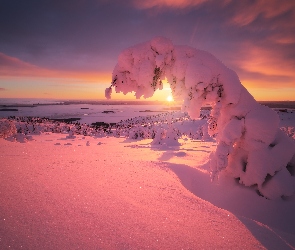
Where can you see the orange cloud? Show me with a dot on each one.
(247, 13)
(270, 94)
(264, 67)
(267, 62)
(13, 67)
(283, 39)
(167, 3)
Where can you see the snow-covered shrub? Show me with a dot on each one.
(290, 131)
(166, 137)
(137, 132)
(71, 134)
(20, 137)
(250, 144)
(7, 128)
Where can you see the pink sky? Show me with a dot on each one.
(65, 50)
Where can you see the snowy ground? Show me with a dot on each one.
(58, 192)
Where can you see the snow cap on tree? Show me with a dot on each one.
(247, 132)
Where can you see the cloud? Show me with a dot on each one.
(257, 79)
(283, 39)
(2, 89)
(246, 12)
(147, 4)
(266, 62)
(80, 42)
(14, 67)
(271, 18)
(55, 33)
(13, 64)
(264, 67)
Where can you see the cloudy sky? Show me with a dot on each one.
(68, 49)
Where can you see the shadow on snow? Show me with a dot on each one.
(259, 215)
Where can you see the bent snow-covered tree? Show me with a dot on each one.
(251, 147)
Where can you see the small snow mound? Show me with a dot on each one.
(22, 138)
(10, 138)
(167, 138)
(71, 135)
(19, 137)
(279, 185)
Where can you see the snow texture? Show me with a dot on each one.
(77, 186)
(57, 194)
(250, 144)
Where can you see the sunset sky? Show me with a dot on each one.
(67, 49)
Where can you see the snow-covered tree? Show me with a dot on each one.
(250, 144)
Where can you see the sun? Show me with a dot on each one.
(169, 98)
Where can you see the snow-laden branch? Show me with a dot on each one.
(250, 145)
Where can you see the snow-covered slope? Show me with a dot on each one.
(110, 193)
(64, 190)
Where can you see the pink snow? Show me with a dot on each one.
(59, 193)
(247, 133)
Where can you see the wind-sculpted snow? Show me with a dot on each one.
(250, 144)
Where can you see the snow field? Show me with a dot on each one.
(65, 189)
(113, 194)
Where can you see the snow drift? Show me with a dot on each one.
(250, 144)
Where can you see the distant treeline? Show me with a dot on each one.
(279, 104)
(171, 106)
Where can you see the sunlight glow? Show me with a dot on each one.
(169, 98)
